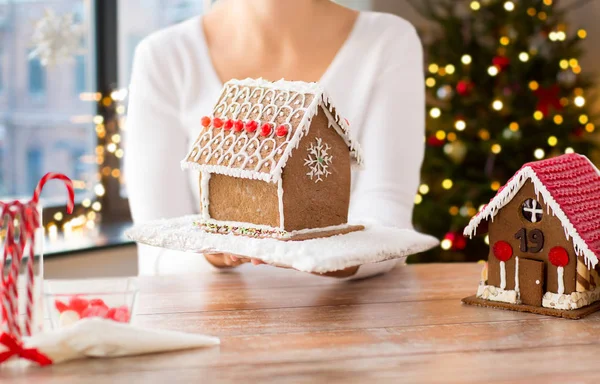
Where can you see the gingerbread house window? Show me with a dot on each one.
(532, 210)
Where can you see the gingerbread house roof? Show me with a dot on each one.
(257, 124)
(570, 187)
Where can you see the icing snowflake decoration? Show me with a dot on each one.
(56, 38)
(318, 160)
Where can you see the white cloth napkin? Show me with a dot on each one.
(95, 337)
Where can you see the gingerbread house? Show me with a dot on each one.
(274, 161)
(544, 236)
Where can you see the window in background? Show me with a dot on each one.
(1, 68)
(34, 167)
(80, 74)
(36, 77)
(56, 135)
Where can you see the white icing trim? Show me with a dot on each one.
(204, 194)
(508, 193)
(489, 292)
(502, 275)
(289, 91)
(561, 280)
(517, 288)
(571, 301)
(280, 200)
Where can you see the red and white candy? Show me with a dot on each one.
(79, 308)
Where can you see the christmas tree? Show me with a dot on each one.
(504, 87)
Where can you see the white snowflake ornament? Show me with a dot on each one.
(56, 38)
(318, 160)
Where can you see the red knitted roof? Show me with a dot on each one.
(573, 182)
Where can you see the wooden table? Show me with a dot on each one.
(285, 326)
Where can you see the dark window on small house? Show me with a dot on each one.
(532, 210)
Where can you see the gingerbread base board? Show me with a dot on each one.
(325, 233)
(574, 314)
(373, 244)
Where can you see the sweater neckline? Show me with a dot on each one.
(337, 59)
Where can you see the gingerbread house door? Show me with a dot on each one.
(531, 281)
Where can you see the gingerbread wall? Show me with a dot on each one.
(313, 205)
(508, 221)
(243, 200)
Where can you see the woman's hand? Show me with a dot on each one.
(224, 260)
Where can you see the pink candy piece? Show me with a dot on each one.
(120, 314)
(95, 311)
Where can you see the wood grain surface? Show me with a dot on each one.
(284, 326)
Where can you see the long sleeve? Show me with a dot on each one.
(392, 143)
(156, 141)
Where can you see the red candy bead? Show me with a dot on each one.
(281, 131)
(228, 124)
(558, 256)
(60, 306)
(78, 304)
(265, 130)
(238, 126)
(502, 250)
(95, 311)
(218, 123)
(251, 126)
(205, 121)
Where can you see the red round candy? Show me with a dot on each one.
(78, 304)
(281, 131)
(251, 126)
(218, 123)
(205, 121)
(60, 306)
(238, 126)
(228, 124)
(558, 256)
(502, 250)
(265, 130)
(95, 311)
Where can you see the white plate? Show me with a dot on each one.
(374, 244)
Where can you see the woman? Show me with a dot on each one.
(370, 64)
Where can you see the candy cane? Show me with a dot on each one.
(30, 231)
(10, 289)
(56, 176)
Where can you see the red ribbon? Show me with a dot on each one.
(16, 348)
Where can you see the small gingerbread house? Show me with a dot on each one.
(274, 161)
(544, 236)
